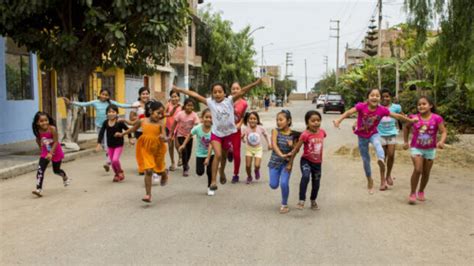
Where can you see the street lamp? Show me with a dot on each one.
(259, 28)
(261, 72)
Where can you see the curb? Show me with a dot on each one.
(24, 168)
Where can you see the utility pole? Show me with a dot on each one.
(337, 29)
(379, 48)
(326, 63)
(261, 65)
(288, 62)
(305, 81)
(397, 72)
(186, 60)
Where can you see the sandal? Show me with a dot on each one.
(146, 198)
(172, 168)
(284, 209)
(314, 205)
(300, 205)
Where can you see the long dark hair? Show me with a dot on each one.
(247, 116)
(142, 89)
(429, 100)
(287, 114)
(152, 106)
(108, 92)
(309, 114)
(37, 116)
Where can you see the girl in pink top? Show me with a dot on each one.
(369, 114)
(312, 139)
(423, 145)
(240, 107)
(44, 129)
(253, 134)
(172, 109)
(183, 124)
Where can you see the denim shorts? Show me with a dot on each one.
(428, 154)
(388, 140)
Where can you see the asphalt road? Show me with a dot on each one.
(95, 221)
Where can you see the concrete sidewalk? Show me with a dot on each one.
(22, 157)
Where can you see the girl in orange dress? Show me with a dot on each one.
(151, 146)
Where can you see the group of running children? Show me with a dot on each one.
(219, 135)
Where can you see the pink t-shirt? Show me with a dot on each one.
(313, 145)
(239, 109)
(170, 119)
(47, 141)
(253, 137)
(425, 131)
(367, 120)
(185, 123)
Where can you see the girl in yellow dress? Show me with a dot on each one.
(151, 146)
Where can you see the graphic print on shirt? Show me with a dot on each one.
(223, 116)
(314, 147)
(424, 135)
(253, 139)
(368, 121)
(386, 122)
(205, 142)
(47, 142)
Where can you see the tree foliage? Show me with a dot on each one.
(287, 85)
(227, 55)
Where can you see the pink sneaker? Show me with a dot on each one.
(412, 199)
(421, 196)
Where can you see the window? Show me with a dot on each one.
(190, 36)
(334, 97)
(108, 82)
(18, 72)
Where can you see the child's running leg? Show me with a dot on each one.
(200, 167)
(42, 165)
(147, 179)
(189, 150)
(415, 177)
(425, 175)
(274, 177)
(58, 171)
(217, 147)
(315, 181)
(209, 171)
(375, 140)
(236, 144)
(114, 155)
(305, 175)
(364, 153)
(248, 168)
(171, 152)
(258, 162)
(390, 159)
(284, 185)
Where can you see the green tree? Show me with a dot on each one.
(227, 55)
(287, 85)
(326, 84)
(75, 37)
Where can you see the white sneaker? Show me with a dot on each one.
(66, 181)
(155, 178)
(211, 192)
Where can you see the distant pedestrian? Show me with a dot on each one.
(151, 146)
(184, 122)
(204, 153)
(312, 139)
(223, 121)
(100, 105)
(283, 141)
(172, 108)
(266, 102)
(388, 133)
(233, 154)
(45, 131)
(369, 115)
(252, 136)
(114, 144)
(423, 144)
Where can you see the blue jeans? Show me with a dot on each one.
(313, 170)
(280, 176)
(364, 151)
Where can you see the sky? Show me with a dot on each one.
(302, 27)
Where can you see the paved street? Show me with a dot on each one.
(95, 221)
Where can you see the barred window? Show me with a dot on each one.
(18, 72)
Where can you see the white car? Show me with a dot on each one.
(320, 101)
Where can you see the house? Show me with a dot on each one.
(19, 93)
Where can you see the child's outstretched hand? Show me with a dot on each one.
(132, 141)
(181, 148)
(270, 147)
(406, 146)
(206, 162)
(413, 120)
(175, 89)
(49, 156)
(66, 101)
(440, 145)
(289, 166)
(98, 147)
(336, 123)
(164, 139)
(118, 134)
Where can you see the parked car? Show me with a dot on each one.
(320, 101)
(334, 102)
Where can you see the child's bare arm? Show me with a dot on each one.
(276, 149)
(136, 126)
(403, 118)
(246, 89)
(186, 140)
(345, 115)
(444, 135)
(406, 133)
(193, 94)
